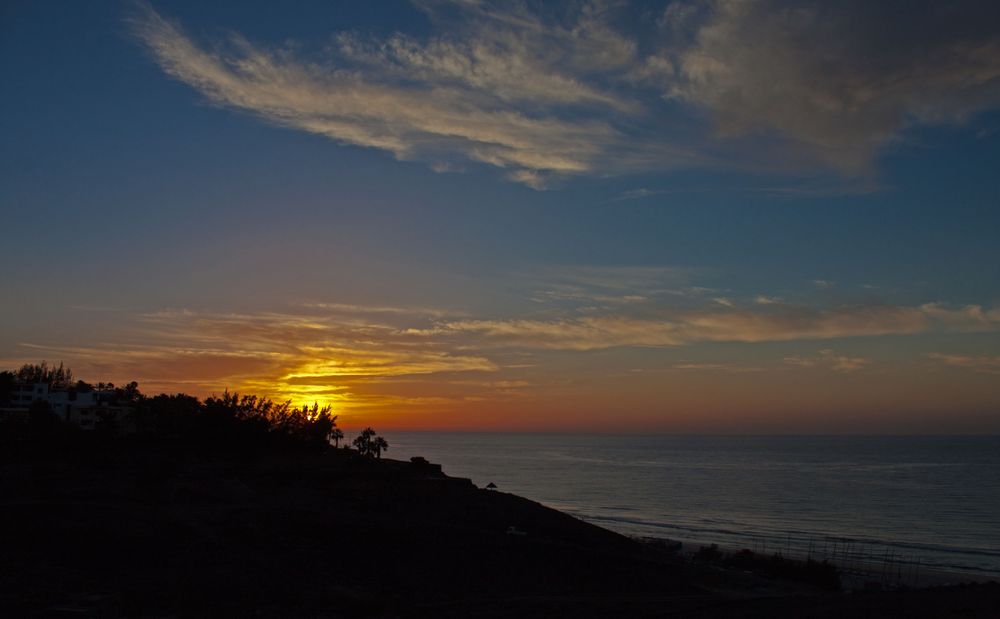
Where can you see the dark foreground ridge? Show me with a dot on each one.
(99, 526)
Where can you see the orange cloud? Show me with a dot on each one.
(392, 363)
(315, 355)
(771, 322)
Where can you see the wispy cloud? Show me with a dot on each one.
(766, 300)
(368, 310)
(717, 367)
(830, 359)
(771, 323)
(596, 289)
(316, 352)
(569, 91)
(358, 358)
(490, 91)
(636, 194)
(985, 364)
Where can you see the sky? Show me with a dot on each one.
(722, 216)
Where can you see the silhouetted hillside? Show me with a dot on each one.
(100, 526)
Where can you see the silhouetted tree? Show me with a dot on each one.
(363, 442)
(320, 425)
(176, 415)
(233, 417)
(129, 394)
(55, 377)
(336, 435)
(229, 419)
(378, 445)
(370, 444)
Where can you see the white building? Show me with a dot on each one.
(82, 408)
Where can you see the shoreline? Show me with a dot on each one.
(853, 577)
(856, 559)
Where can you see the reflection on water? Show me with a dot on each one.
(934, 500)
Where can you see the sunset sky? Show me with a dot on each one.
(717, 216)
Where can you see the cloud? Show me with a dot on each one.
(716, 367)
(984, 364)
(773, 322)
(568, 90)
(318, 351)
(596, 289)
(802, 362)
(620, 279)
(830, 359)
(355, 356)
(531, 178)
(765, 300)
(636, 194)
(510, 60)
(968, 318)
(840, 79)
(367, 310)
(489, 92)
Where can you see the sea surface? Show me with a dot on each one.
(899, 504)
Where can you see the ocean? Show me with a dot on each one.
(899, 504)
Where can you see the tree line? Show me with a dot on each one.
(227, 420)
(60, 378)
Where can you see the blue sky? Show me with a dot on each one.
(475, 214)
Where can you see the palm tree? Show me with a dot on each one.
(364, 441)
(378, 444)
(336, 435)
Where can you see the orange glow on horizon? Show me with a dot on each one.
(393, 376)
